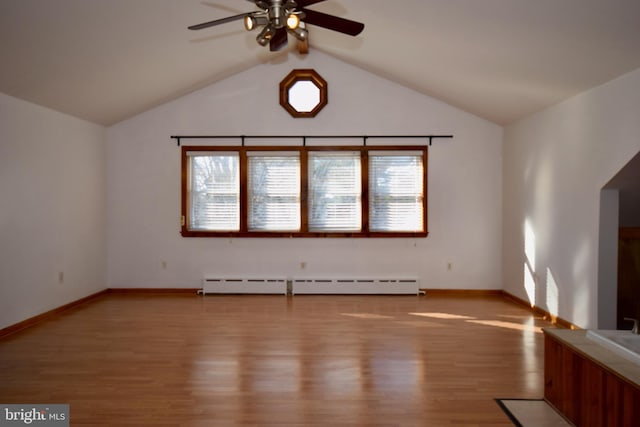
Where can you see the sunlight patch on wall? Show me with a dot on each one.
(530, 245)
(530, 263)
(553, 297)
(530, 284)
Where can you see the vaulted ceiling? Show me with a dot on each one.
(106, 60)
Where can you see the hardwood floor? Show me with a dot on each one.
(186, 360)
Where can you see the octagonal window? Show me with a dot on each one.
(303, 93)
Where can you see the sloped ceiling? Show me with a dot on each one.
(106, 60)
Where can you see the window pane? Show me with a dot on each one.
(215, 192)
(396, 192)
(334, 191)
(274, 191)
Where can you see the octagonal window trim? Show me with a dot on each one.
(298, 97)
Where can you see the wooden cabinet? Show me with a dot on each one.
(587, 393)
(622, 402)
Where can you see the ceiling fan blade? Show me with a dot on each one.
(279, 40)
(217, 22)
(260, 4)
(332, 22)
(305, 3)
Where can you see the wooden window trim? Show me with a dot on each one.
(304, 162)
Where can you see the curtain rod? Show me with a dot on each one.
(305, 137)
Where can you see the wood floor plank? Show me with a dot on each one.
(187, 360)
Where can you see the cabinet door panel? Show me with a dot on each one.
(552, 371)
(630, 404)
(592, 403)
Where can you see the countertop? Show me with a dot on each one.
(578, 341)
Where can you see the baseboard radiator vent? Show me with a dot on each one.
(232, 285)
(355, 286)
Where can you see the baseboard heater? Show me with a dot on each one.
(355, 286)
(226, 285)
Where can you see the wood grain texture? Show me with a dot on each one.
(185, 360)
(586, 392)
(27, 323)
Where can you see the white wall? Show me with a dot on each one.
(464, 185)
(608, 258)
(555, 164)
(52, 210)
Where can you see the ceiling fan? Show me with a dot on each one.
(282, 17)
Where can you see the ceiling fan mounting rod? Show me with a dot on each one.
(277, 14)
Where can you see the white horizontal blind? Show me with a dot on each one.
(396, 191)
(335, 191)
(273, 191)
(215, 191)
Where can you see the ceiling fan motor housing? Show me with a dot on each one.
(278, 11)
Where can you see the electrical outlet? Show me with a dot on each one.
(303, 265)
(164, 265)
(449, 266)
(60, 277)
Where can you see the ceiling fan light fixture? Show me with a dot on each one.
(301, 32)
(293, 21)
(265, 35)
(253, 20)
(249, 22)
